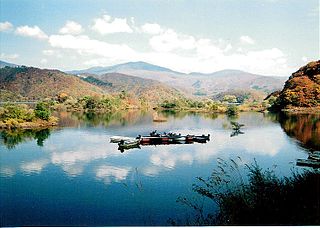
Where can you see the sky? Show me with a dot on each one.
(269, 37)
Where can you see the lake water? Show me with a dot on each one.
(73, 176)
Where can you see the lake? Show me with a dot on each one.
(74, 176)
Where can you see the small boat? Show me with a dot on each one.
(129, 143)
(117, 139)
(201, 138)
(308, 162)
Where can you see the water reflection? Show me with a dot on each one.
(77, 170)
(11, 138)
(91, 119)
(303, 127)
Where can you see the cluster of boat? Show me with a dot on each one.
(155, 138)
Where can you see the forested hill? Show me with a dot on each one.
(33, 83)
(302, 89)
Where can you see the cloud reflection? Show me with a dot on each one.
(34, 166)
(108, 173)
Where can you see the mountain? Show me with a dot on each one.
(195, 83)
(33, 83)
(123, 67)
(4, 64)
(19, 83)
(150, 90)
(302, 89)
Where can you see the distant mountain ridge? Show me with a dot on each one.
(140, 65)
(204, 84)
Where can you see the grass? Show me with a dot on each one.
(259, 198)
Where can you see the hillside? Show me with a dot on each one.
(150, 90)
(195, 83)
(33, 83)
(302, 89)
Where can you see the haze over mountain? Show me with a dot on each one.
(4, 64)
(194, 83)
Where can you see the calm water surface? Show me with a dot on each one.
(73, 176)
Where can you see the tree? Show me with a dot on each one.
(42, 111)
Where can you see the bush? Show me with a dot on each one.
(232, 110)
(42, 111)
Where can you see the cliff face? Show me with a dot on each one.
(302, 89)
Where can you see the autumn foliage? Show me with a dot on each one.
(302, 89)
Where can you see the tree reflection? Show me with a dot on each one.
(11, 138)
(257, 197)
(303, 127)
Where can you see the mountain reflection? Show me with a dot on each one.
(305, 128)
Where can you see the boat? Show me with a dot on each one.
(129, 143)
(117, 139)
(201, 138)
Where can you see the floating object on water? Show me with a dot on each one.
(129, 143)
(157, 139)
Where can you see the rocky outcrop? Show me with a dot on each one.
(302, 89)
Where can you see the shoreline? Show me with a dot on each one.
(38, 124)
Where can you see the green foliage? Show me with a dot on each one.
(169, 105)
(16, 112)
(232, 110)
(42, 111)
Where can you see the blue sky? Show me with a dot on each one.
(271, 37)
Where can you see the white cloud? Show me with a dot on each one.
(247, 40)
(107, 25)
(9, 56)
(170, 40)
(5, 26)
(84, 45)
(72, 28)
(180, 52)
(151, 28)
(34, 32)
